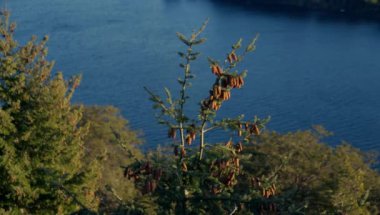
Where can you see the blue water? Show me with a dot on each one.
(307, 70)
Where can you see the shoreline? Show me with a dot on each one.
(344, 8)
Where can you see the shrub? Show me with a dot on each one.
(110, 145)
(317, 178)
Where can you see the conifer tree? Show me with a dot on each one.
(41, 144)
(203, 178)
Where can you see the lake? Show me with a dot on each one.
(308, 69)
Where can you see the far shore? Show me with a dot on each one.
(351, 8)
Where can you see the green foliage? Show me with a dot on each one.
(310, 177)
(110, 144)
(315, 178)
(41, 144)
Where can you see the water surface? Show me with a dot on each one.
(307, 69)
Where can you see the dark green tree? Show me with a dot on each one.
(41, 144)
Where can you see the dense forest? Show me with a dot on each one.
(362, 8)
(62, 158)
